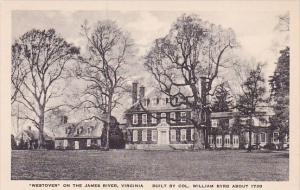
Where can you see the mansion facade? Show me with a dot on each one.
(152, 123)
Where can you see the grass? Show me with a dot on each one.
(149, 165)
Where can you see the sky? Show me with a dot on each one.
(254, 30)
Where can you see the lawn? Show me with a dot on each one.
(149, 165)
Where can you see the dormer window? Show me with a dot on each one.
(157, 101)
(134, 118)
(183, 117)
(67, 130)
(167, 100)
(145, 104)
(153, 101)
(89, 130)
(77, 131)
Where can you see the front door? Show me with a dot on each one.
(163, 137)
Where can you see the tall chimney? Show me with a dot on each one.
(134, 92)
(142, 92)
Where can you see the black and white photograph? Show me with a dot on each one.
(150, 95)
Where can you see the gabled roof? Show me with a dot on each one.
(89, 129)
(28, 135)
(150, 97)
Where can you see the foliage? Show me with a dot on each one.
(252, 97)
(42, 56)
(13, 142)
(280, 93)
(188, 57)
(102, 69)
(222, 101)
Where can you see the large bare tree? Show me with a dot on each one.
(41, 56)
(108, 50)
(18, 72)
(185, 63)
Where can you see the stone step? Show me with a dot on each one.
(159, 147)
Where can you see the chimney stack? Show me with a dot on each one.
(64, 119)
(142, 92)
(134, 92)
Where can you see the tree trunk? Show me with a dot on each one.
(108, 124)
(250, 135)
(41, 140)
(250, 140)
(199, 139)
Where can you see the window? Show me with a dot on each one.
(135, 118)
(154, 135)
(235, 139)
(219, 140)
(153, 118)
(144, 135)
(183, 117)
(183, 134)
(172, 117)
(162, 102)
(145, 102)
(163, 117)
(89, 130)
(144, 119)
(173, 135)
(134, 135)
(153, 102)
(214, 123)
(275, 137)
(167, 100)
(77, 131)
(263, 137)
(192, 134)
(88, 142)
(67, 131)
(65, 143)
(227, 140)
